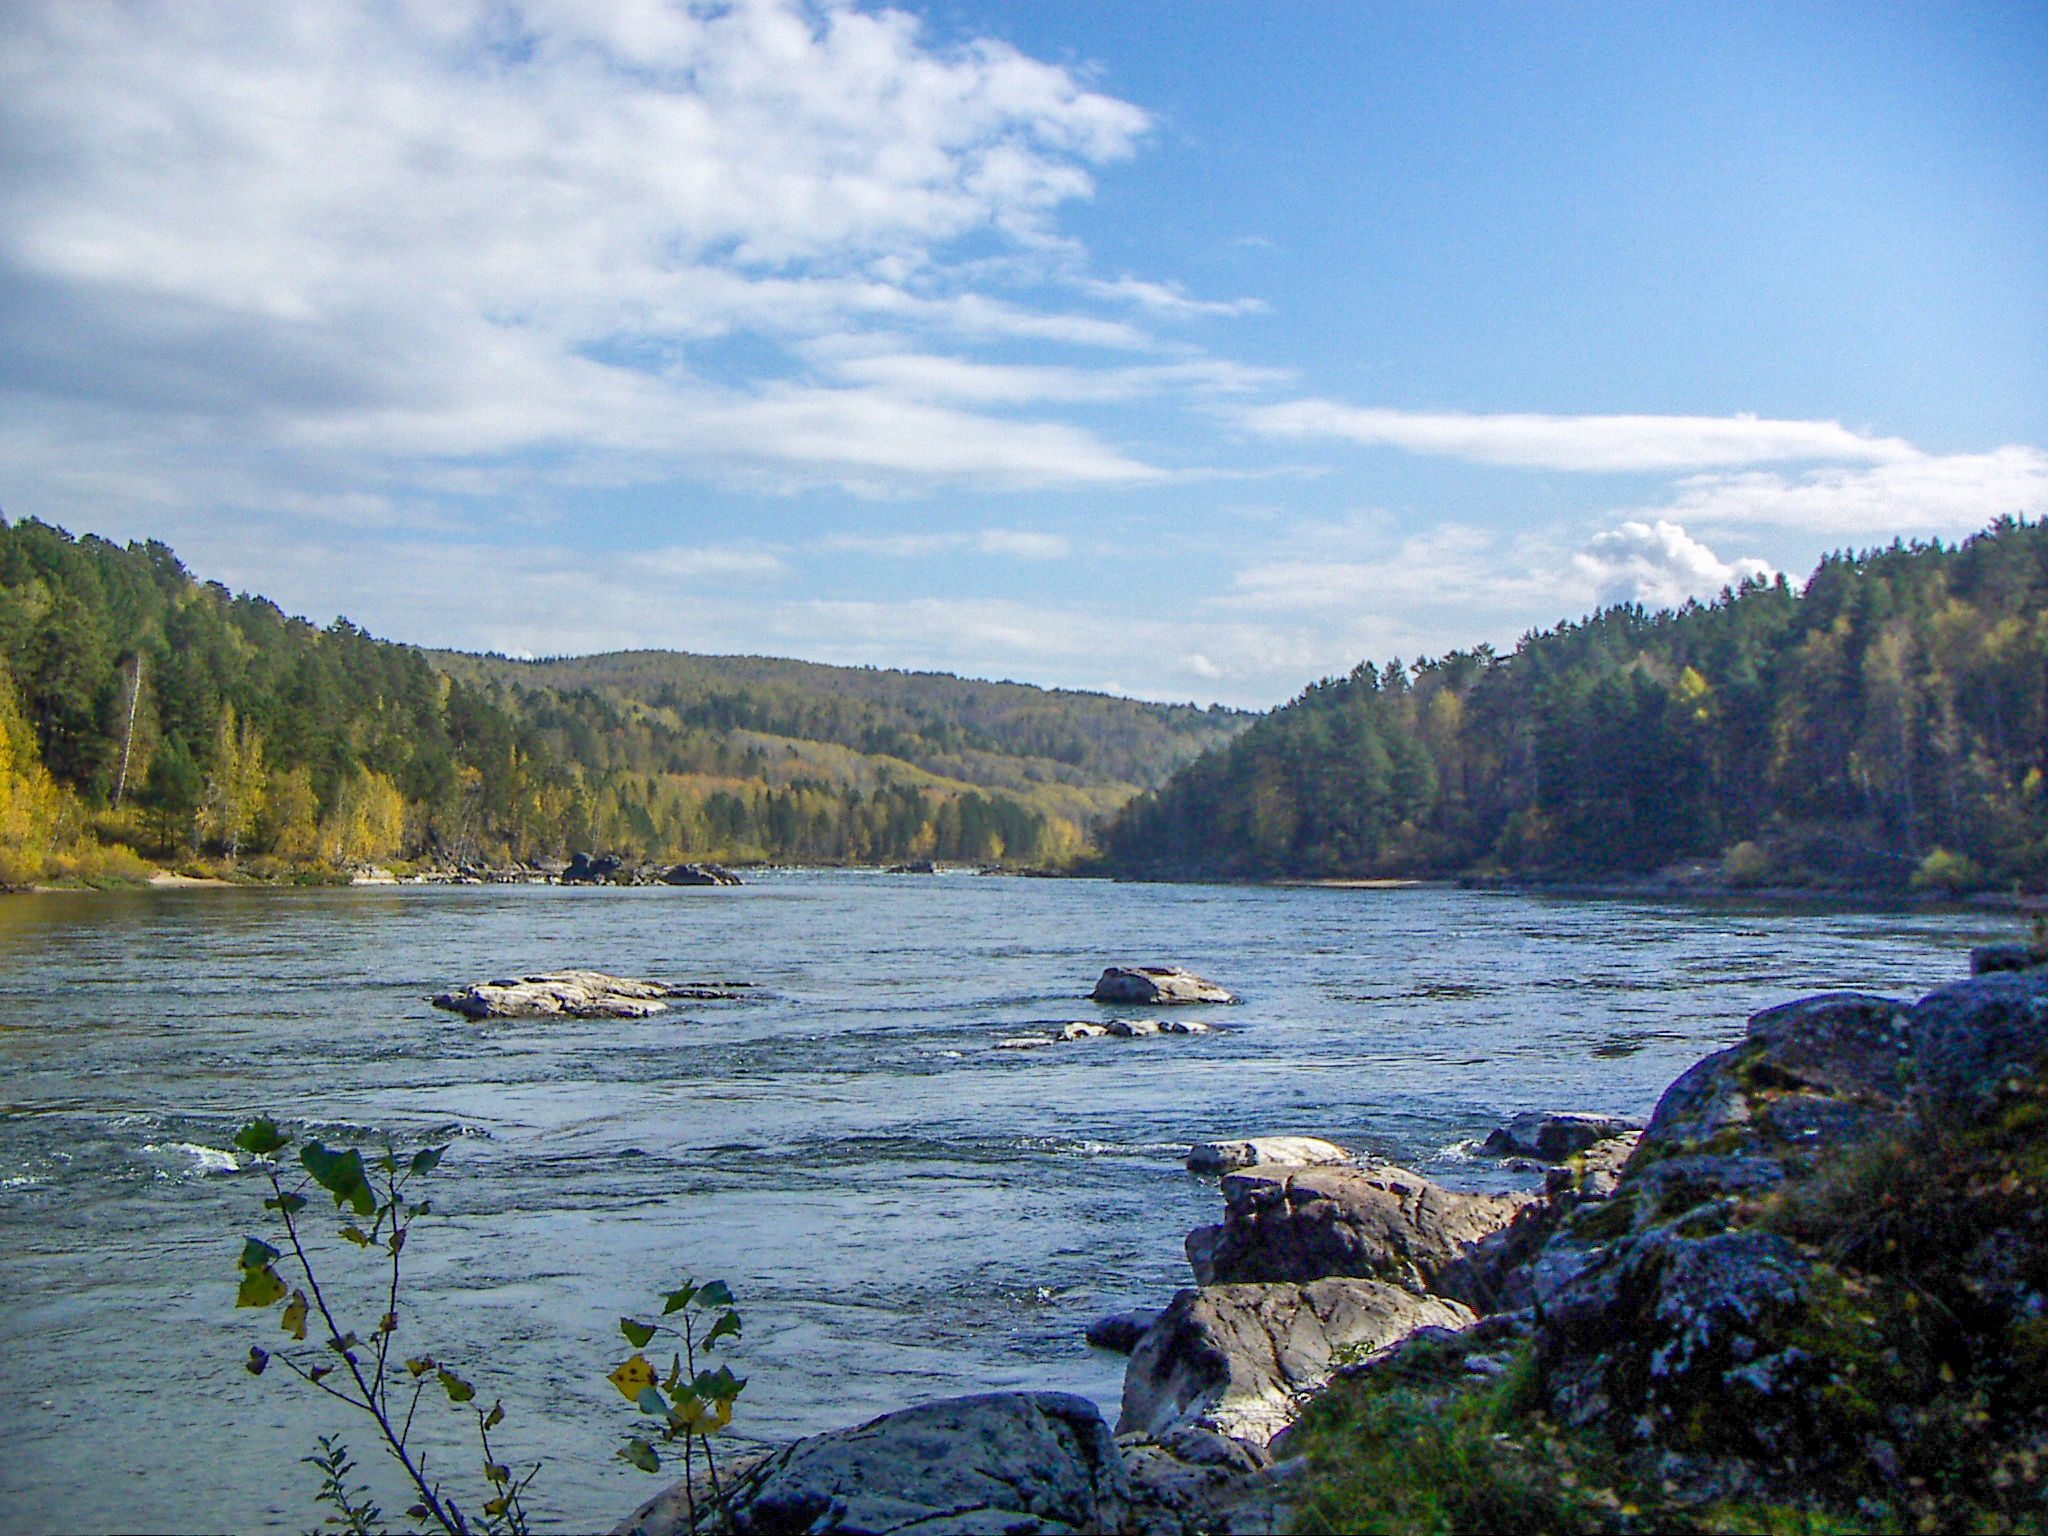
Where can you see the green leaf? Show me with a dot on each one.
(420, 1367)
(675, 1301)
(260, 1138)
(423, 1161)
(287, 1202)
(495, 1417)
(257, 1254)
(458, 1390)
(341, 1175)
(641, 1455)
(497, 1472)
(714, 1295)
(342, 1345)
(719, 1385)
(387, 1164)
(294, 1320)
(356, 1235)
(258, 1359)
(637, 1334)
(650, 1401)
(728, 1324)
(260, 1288)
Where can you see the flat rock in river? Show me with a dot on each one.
(1272, 1151)
(570, 995)
(1155, 984)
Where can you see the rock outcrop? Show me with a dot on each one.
(1378, 1223)
(699, 874)
(1028, 1463)
(1154, 985)
(1266, 1151)
(1238, 1359)
(573, 995)
(1554, 1137)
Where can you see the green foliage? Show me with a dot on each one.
(249, 733)
(361, 1367)
(1899, 702)
(694, 1403)
(1953, 874)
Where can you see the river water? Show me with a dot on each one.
(904, 1210)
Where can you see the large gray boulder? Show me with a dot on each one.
(997, 1464)
(1379, 1223)
(1156, 984)
(1239, 1359)
(1970, 1037)
(1555, 1136)
(575, 995)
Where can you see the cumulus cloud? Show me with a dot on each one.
(1586, 443)
(445, 229)
(1659, 565)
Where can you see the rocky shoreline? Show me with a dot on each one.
(1709, 1298)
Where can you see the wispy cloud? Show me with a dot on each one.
(1587, 443)
(1949, 494)
(1170, 299)
(1009, 543)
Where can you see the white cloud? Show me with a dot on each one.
(1952, 494)
(1014, 544)
(1588, 443)
(1659, 565)
(923, 376)
(1171, 298)
(446, 229)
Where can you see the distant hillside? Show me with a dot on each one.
(181, 719)
(1884, 726)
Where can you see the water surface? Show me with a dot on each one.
(905, 1210)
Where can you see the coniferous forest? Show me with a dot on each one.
(145, 714)
(1883, 727)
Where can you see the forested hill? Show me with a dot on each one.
(144, 708)
(1886, 725)
(946, 724)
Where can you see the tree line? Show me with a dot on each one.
(144, 710)
(1884, 725)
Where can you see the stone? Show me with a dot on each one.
(1028, 1463)
(1554, 1137)
(1156, 984)
(558, 994)
(1121, 1331)
(1131, 1029)
(1383, 1223)
(699, 874)
(1239, 1359)
(1970, 1036)
(1273, 1151)
(585, 870)
(1987, 958)
(1848, 1045)
(1082, 1029)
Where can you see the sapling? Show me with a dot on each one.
(692, 1403)
(362, 1367)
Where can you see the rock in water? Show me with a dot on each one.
(570, 995)
(1121, 1331)
(1382, 1223)
(1032, 1463)
(1238, 1359)
(1554, 1137)
(1156, 984)
(699, 874)
(1272, 1151)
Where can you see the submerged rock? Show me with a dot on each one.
(1156, 984)
(1384, 1223)
(1271, 1151)
(1239, 1359)
(1029, 1463)
(573, 995)
(699, 874)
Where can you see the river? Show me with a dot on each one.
(904, 1210)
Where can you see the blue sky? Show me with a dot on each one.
(1193, 351)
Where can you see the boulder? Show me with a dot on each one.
(1121, 1331)
(699, 874)
(1028, 1463)
(1381, 1223)
(1969, 1037)
(1156, 984)
(585, 870)
(1554, 1137)
(1987, 958)
(1239, 1359)
(1272, 1151)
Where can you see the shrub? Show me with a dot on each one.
(1954, 874)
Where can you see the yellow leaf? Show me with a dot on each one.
(633, 1378)
(260, 1288)
(294, 1320)
(356, 1235)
